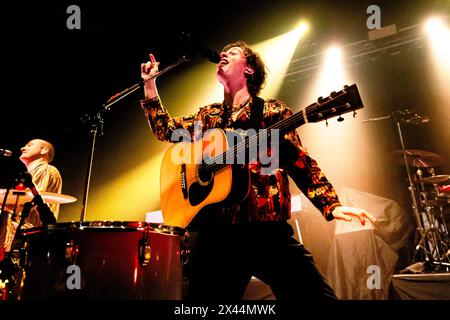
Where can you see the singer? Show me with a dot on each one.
(36, 155)
(239, 239)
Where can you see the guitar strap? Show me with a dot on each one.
(257, 110)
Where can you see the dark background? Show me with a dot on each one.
(52, 75)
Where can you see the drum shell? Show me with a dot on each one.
(109, 258)
(444, 190)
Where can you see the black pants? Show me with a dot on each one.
(225, 258)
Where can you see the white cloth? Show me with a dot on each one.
(356, 249)
(393, 225)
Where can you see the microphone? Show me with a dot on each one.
(198, 47)
(212, 56)
(410, 117)
(6, 152)
(416, 119)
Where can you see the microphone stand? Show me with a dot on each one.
(4, 215)
(415, 206)
(96, 125)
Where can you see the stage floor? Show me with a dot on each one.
(432, 286)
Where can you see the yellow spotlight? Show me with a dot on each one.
(439, 38)
(128, 196)
(302, 28)
(438, 34)
(331, 75)
(340, 138)
(277, 54)
(333, 55)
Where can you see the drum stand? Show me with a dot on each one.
(421, 233)
(439, 241)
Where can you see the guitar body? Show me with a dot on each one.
(187, 187)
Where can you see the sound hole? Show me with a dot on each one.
(199, 191)
(205, 174)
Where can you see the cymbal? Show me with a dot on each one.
(436, 179)
(417, 158)
(26, 196)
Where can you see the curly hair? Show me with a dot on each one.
(255, 81)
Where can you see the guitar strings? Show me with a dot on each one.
(282, 125)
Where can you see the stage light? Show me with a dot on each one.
(301, 28)
(331, 74)
(339, 140)
(333, 55)
(277, 54)
(438, 36)
(435, 26)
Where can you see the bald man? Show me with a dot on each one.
(37, 155)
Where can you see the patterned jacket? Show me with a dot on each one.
(46, 179)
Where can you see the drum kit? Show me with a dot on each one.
(90, 260)
(431, 194)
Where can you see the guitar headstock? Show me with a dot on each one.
(336, 104)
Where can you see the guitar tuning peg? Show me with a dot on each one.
(340, 119)
(326, 122)
(354, 114)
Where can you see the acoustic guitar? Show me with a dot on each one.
(197, 174)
